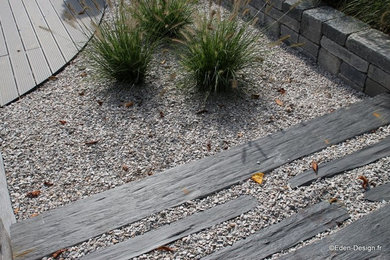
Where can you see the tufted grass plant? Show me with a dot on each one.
(217, 49)
(121, 50)
(162, 18)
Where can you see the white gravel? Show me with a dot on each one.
(36, 147)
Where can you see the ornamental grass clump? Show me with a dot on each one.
(122, 50)
(217, 49)
(162, 18)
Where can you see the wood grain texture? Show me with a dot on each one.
(6, 213)
(357, 159)
(87, 218)
(371, 231)
(285, 234)
(5, 243)
(8, 89)
(379, 193)
(153, 239)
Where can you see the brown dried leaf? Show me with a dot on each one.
(48, 183)
(314, 166)
(279, 102)
(255, 96)
(165, 248)
(186, 191)
(53, 78)
(100, 102)
(282, 91)
(16, 211)
(365, 183)
(63, 122)
(208, 146)
(240, 134)
(82, 93)
(332, 200)
(129, 104)
(56, 254)
(34, 215)
(83, 74)
(258, 177)
(125, 167)
(162, 114)
(91, 142)
(33, 194)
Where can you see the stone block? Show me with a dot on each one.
(295, 8)
(308, 48)
(350, 83)
(379, 75)
(373, 88)
(373, 46)
(312, 20)
(272, 27)
(258, 4)
(344, 54)
(340, 28)
(328, 61)
(349, 72)
(278, 4)
(285, 31)
(283, 19)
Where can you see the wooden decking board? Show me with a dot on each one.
(84, 19)
(5, 243)
(6, 213)
(371, 230)
(61, 36)
(19, 63)
(379, 193)
(285, 234)
(87, 218)
(39, 66)
(357, 159)
(151, 240)
(8, 90)
(50, 48)
(3, 47)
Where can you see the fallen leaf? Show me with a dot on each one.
(332, 200)
(165, 248)
(201, 111)
(163, 62)
(100, 102)
(326, 141)
(34, 215)
(279, 102)
(56, 254)
(125, 167)
(365, 183)
(208, 146)
(129, 104)
(33, 194)
(82, 93)
(162, 114)
(16, 211)
(376, 115)
(255, 96)
(48, 183)
(53, 78)
(83, 74)
(258, 177)
(240, 134)
(63, 122)
(314, 166)
(91, 142)
(282, 91)
(82, 11)
(186, 191)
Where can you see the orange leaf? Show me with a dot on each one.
(186, 191)
(365, 183)
(258, 177)
(53, 78)
(125, 167)
(16, 211)
(165, 248)
(279, 102)
(56, 254)
(91, 142)
(332, 200)
(129, 104)
(48, 184)
(34, 215)
(63, 122)
(314, 166)
(34, 194)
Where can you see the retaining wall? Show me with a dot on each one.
(340, 44)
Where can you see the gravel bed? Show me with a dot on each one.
(44, 137)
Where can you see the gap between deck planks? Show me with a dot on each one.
(366, 238)
(285, 234)
(166, 234)
(87, 218)
(357, 159)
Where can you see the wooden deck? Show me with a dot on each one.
(39, 37)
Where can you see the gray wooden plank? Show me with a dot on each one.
(78, 11)
(151, 240)
(8, 89)
(379, 193)
(5, 244)
(357, 159)
(70, 22)
(83, 219)
(63, 39)
(49, 46)
(6, 213)
(285, 234)
(39, 66)
(3, 47)
(366, 238)
(19, 63)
